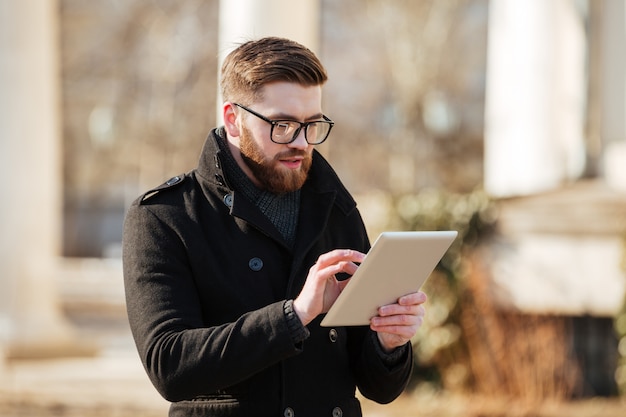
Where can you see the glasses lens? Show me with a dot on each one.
(317, 132)
(283, 131)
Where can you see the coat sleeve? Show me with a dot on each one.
(382, 377)
(182, 357)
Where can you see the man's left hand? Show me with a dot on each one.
(397, 323)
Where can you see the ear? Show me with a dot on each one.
(230, 119)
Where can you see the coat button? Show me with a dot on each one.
(337, 412)
(255, 264)
(228, 200)
(332, 335)
(173, 180)
(288, 412)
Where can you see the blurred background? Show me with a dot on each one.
(502, 119)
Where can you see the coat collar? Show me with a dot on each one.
(321, 192)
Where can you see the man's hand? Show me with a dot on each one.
(322, 288)
(397, 323)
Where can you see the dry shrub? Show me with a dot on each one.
(519, 355)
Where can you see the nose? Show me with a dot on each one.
(300, 141)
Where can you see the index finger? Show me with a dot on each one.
(340, 255)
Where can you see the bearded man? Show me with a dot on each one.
(229, 269)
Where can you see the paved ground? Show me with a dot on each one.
(104, 386)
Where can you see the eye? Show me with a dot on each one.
(283, 128)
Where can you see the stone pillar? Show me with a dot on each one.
(535, 98)
(31, 323)
(242, 20)
(613, 93)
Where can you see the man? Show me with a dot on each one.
(228, 269)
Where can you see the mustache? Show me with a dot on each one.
(292, 153)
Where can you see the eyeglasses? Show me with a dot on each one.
(286, 131)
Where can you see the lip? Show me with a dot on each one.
(292, 163)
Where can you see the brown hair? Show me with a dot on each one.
(255, 63)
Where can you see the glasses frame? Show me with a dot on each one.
(303, 125)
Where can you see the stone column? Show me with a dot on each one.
(535, 98)
(31, 323)
(242, 20)
(613, 93)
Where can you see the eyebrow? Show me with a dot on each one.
(285, 116)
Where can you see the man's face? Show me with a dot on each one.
(283, 172)
(278, 168)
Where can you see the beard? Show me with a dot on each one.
(268, 171)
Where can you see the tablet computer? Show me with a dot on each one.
(397, 264)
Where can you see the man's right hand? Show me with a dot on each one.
(322, 288)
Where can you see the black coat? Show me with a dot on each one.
(207, 276)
